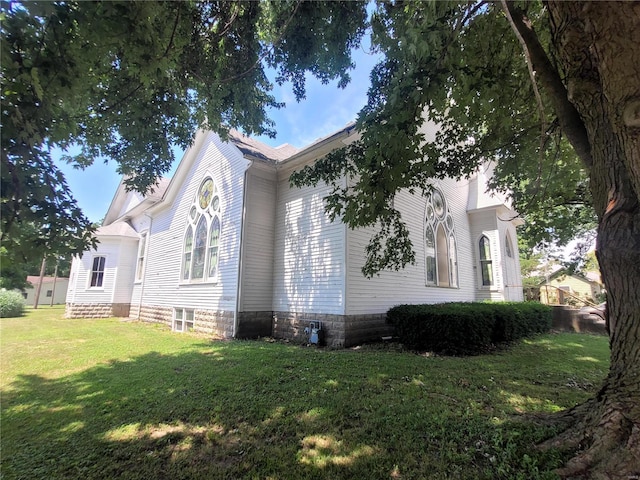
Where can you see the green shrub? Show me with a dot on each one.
(11, 303)
(467, 328)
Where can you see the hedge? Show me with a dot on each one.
(467, 328)
(11, 303)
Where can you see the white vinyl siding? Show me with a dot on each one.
(163, 285)
(258, 237)
(119, 269)
(390, 288)
(510, 264)
(485, 223)
(309, 253)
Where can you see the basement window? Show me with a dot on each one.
(183, 320)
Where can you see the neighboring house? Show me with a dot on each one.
(228, 247)
(52, 288)
(564, 289)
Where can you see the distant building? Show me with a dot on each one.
(564, 289)
(48, 290)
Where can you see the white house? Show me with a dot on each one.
(52, 292)
(228, 247)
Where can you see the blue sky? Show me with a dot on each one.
(325, 110)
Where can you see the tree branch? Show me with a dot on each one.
(569, 118)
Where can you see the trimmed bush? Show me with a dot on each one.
(11, 303)
(467, 328)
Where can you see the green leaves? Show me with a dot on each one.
(128, 80)
(456, 68)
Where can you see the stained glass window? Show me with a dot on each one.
(199, 247)
(202, 237)
(213, 247)
(440, 246)
(188, 246)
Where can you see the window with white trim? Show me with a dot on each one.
(486, 264)
(200, 254)
(183, 320)
(142, 247)
(441, 256)
(97, 271)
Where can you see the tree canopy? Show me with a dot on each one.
(461, 67)
(128, 80)
(549, 91)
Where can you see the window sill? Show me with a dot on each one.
(491, 288)
(203, 282)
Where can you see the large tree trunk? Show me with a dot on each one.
(598, 48)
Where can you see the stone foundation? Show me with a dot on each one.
(255, 324)
(209, 322)
(339, 330)
(153, 314)
(96, 310)
(214, 323)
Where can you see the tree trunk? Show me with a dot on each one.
(598, 49)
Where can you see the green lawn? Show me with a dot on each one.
(115, 399)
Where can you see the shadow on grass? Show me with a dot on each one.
(252, 410)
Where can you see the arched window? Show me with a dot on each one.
(440, 244)
(508, 246)
(486, 265)
(202, 238)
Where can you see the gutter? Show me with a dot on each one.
(310, 151)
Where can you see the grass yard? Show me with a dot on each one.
(109, 398)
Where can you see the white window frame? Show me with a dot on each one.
(143, 244)
(441, 226)
(486, 261)
(184, 320)
(208, 214)
(92, 271)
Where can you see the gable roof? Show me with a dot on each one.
(35, 279)
(117, 229)
(250, 149)
(122, 194)
(257, 149)
(587, 278)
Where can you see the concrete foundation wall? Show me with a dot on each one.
(338, 330)
(255, 324)
(96, 310)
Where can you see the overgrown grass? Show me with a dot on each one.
(116, 399)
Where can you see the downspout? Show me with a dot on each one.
(144, 267)
(240, 263)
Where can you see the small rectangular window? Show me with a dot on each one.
(183, 320)
(49, 293)
(97, 271)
